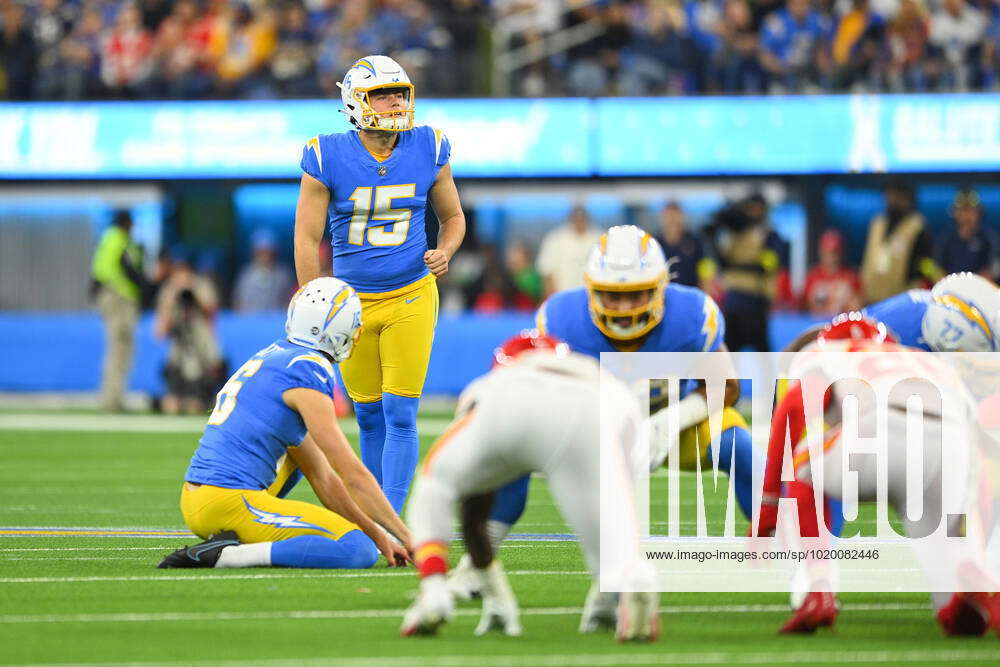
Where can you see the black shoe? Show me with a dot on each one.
(205, 554)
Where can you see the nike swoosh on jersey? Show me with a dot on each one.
(411, 300)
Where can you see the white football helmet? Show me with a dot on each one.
(963, 315)
(325, 315)
(373, 73)
(626, 259)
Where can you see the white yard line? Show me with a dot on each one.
(332, 614)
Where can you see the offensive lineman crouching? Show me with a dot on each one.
(539, 410)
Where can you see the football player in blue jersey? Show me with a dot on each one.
(370, 187)
(961, 313)
(629, 305)
(273, 422)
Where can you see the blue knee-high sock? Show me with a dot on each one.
(509, 501)
(353, 551)
(371, 424)
(736, 444)
(399, 458)
(834, 508)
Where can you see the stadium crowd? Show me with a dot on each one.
(196, 49)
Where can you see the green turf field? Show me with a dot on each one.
(97, 599)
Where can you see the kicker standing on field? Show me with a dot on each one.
(371, 185)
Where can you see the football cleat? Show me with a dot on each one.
(433, 608)
(205, 554)
(464, 580)
(600, 611)
(970, 614)
(500, 610)
(819, 609)
(638, 617)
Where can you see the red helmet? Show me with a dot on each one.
(855, 326)
(528, 339)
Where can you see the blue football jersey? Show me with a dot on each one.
(251, 427)
(376, 213)
(691, 323)
(903, 314)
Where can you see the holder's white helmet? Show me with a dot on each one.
(370, 74)
(325, 315)
(963, 315)
(626, 259)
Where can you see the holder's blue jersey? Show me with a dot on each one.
(376, 213)
(251, 427)
(903, 314)
(691, 323)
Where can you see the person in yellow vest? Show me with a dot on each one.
(117, 284)
(899, 250)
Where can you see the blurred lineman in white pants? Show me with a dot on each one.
(539, 410)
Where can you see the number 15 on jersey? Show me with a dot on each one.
(373, 210)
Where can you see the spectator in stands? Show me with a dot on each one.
(527, 282)
(293, 68)
(563, 253)
(495, 288)
(689, 265)
(125, 54)
(117, 284)
(957, 31)
(53, 22)
(793, 40)
(463, 21)
(263, 284)
(831, 287)
(751, 257)
(908, 35)
(969, 246)
(81, 58)
(735, 65)
(17, 52)
(185, 311)
(595, 64)
(351, 36)
(989, 61)
(898, 253)
(182, 66)
(661, 57)
(857, 48)
(242, 44)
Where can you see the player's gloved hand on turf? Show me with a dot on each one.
(600, 611)
(464, 580)
(433, 608)
(437, 261)
(500, 610)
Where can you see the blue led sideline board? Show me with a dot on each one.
(798, 135)
(264, 139)
(517, 138)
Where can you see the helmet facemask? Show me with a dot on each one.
(393, 120)
(627, 323)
